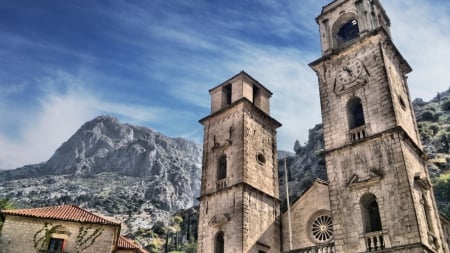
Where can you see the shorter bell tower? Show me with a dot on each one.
(239, 202)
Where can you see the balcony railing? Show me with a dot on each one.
(358, 133)
(374, 241)
(328, 248)
(221, 184)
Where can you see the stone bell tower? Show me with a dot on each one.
(380, 193)
(239, 203)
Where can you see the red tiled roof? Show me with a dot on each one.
(64, 212)
(124, 243)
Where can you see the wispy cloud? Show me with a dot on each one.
(420, 32)
(65, 105)
(152, 64)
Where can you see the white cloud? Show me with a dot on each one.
(420, 31)
(60, 112)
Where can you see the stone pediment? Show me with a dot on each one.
(218, 220)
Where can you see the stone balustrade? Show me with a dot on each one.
(358, 133)
(328, 248)
(374, 241)
(221, 184)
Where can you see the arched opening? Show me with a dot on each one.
(219, 245)
(370, 213)
(345, 29)
(222, 168)
(355, 113)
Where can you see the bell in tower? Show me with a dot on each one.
(343, 21)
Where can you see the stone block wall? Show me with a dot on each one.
(20, 233)
(377, 167)
(221, 211)
(261, 223)
(260, 163)
(372, 88)
(313, 200)
(223, 135)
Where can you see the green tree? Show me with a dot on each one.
(5, 204)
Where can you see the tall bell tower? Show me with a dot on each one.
(380, 193)
(239, 203)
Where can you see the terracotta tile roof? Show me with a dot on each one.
(64, 212)
(124, 243)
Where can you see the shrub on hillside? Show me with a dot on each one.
(427, 115)
(446, 106)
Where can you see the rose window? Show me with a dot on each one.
(321, 227)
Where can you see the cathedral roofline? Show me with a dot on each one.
(245, 101)
(244, 75)
(318, 181)
(237, 185)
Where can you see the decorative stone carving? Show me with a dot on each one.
(218, 220)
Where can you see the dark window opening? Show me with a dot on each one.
(355, 113)
(255, 95)
(56, 245)
(348, 31)
(222, 168)
(402, 103)
(260, 251)
(370, 214)
(220, 243)
(227, 90)
(260, 158)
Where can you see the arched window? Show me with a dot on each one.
(219, 245)
(355, 113)
(222, 168)
(370, 213)
(346, 28)
(348, 31)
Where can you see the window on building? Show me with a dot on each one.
(256, 96)
(355, 113)
(220, 243)
(348, 31)
(227, 92)
(56, 245)
(370, 213)
(222, 168)
(321, 227)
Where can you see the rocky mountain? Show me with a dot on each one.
(150, 181)
(133, 173)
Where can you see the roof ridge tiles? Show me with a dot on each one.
(68, 212)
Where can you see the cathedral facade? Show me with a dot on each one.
(378, 197)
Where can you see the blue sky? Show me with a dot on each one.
(151, 63)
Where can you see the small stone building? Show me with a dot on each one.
(65, 228)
